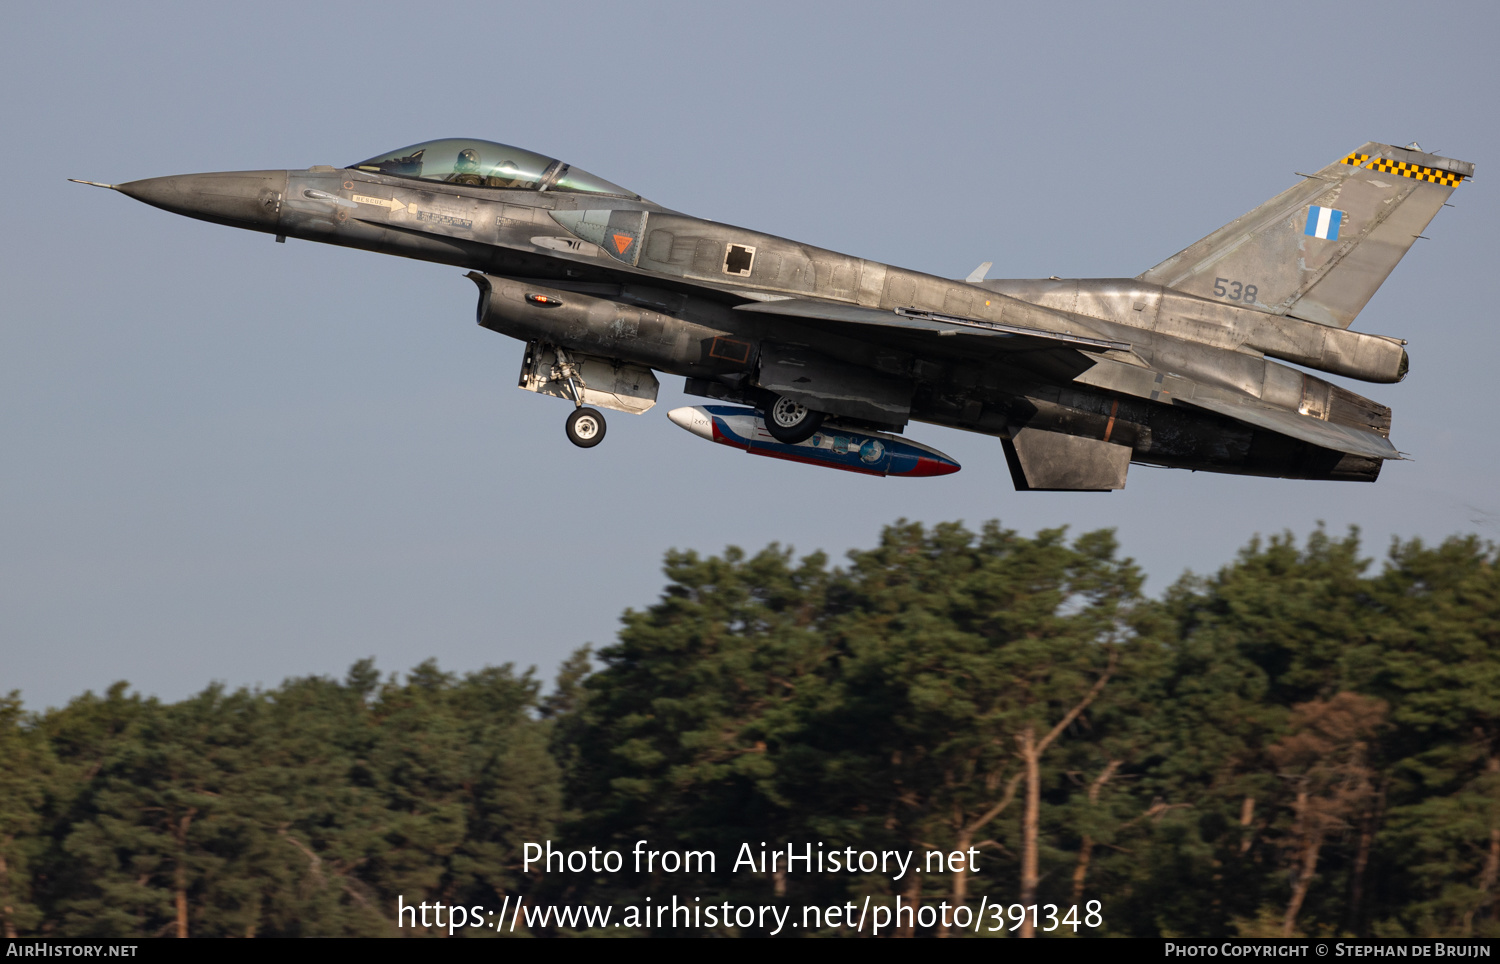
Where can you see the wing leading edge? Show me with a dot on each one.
(996, 335)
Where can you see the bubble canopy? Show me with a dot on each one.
(487, 164)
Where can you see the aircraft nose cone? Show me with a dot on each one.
(243, 199)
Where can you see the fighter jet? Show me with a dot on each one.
(824, 358)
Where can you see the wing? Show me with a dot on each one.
(932, 324)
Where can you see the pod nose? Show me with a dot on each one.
(695, 420)
(242, 199)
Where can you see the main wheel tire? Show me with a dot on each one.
(585, 428)
(789, 422)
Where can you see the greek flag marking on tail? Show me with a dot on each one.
(1323, 223)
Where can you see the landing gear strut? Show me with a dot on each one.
(585, 426)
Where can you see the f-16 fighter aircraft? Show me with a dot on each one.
(822, 356)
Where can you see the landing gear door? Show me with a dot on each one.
(602, 382)
(829, 385)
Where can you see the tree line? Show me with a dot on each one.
(1301, 743)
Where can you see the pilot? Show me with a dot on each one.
(507, 174)
(466, 168)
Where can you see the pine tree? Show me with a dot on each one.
(1441, 670)
(27, 773)
(675, 739)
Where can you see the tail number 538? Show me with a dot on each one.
(1234, 290)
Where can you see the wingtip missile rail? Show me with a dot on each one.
(834, 445)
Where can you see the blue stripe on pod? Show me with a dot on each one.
(834, 446)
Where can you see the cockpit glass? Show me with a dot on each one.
(475, 163)
(582, 182)
(487, 164)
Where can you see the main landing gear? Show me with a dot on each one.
(789, 422)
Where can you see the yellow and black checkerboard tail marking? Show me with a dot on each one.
(1430, 174)
(1405, 169)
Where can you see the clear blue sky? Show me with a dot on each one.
(227, 459)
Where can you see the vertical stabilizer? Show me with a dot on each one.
(1318, 251)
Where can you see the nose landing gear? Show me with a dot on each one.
(585, 426)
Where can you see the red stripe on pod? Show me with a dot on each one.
(807, 461)
(724, 439)
(927, 467)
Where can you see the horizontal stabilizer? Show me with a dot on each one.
(1315, 431)
(1013, 337)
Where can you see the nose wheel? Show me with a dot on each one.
(585, 427)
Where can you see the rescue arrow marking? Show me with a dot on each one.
(622, 241)
(394, 205)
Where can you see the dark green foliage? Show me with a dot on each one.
(676, 740)
(301, 811)
(879, 707)
(1296, 744)
(28, 770)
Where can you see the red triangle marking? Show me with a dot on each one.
(622, 241)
